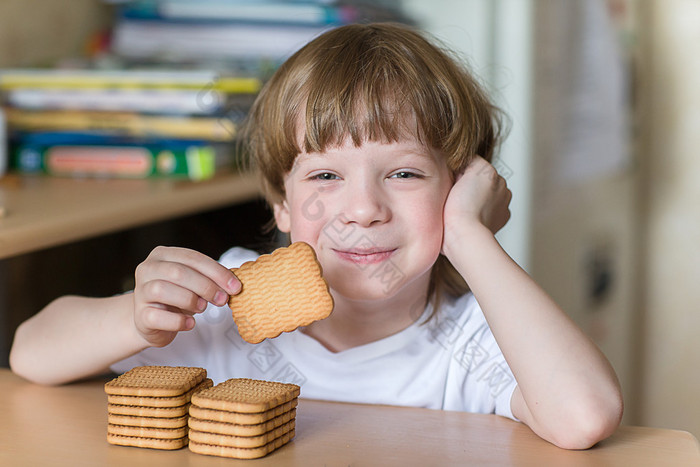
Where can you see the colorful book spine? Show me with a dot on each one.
(144, 39)
(127, 80)
(276, 12)
(180, 102)
(193, 161)
(219, 129)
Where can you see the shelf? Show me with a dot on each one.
(41, 212)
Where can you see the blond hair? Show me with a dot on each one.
(371, 82)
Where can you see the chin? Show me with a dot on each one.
(365, 287)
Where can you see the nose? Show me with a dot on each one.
(366, 204)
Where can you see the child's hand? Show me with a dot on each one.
(479, 197)
(172, 285)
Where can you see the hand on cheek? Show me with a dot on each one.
(479, 198)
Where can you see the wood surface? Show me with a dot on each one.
(67, 426)
(40, 212)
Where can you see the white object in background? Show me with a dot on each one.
(594, 111)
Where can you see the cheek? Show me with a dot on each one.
(308, 217)
(431, 233)
(428, 219)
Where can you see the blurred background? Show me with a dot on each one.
(603, 98)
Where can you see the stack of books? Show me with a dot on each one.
(124, 123)
(186, 31)
(247, 32)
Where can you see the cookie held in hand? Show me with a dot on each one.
(280, 292)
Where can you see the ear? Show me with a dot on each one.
(281, 211)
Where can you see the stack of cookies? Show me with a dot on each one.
(242, 418)
(148, 405)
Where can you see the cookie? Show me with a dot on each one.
(280, 292)
(153, 443)
(148, 401)
(243, 395)
(149, 422)
(237, 429)
(156, 381)
(147, 432)
(204, 437)
(214, 415)
(139, 411)
(241, 453)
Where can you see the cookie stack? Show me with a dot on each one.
(242, 418)
(148, 405)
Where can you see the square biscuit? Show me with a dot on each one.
(146, 422)
(153, 412)
(152, 443)
(149, 401)
(156, 381)
(280, 292)
(241, 453)
(245, 395)
(239, 418)
(237, 429)
(234, 441)
(147, 432)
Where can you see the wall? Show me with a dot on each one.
(671, 138)
(583, 237)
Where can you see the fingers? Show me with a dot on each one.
(485, 193)
(174, 284)
(165, 292)
(159, 325)
(484, 174)
(203, 264)
(185, 279)
(162, 319)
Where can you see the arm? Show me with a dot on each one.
(567, 391)
(75, 337)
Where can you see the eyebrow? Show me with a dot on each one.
(419, 151)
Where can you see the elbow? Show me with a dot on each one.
(589, 423)
(18, 357)
(23, 368)
(23, 361)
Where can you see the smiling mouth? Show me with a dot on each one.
(365, 256)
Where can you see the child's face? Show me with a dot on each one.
(373, 214)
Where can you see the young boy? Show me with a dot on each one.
(373, 146)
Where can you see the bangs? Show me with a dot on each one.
(376, 104)
(374, 88)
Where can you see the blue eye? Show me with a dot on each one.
(404, 174)
(324, 176)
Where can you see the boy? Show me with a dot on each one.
(373, 146)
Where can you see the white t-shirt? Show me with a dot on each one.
(452, 362)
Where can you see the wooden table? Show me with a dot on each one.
(40, 212)
(67, 425)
